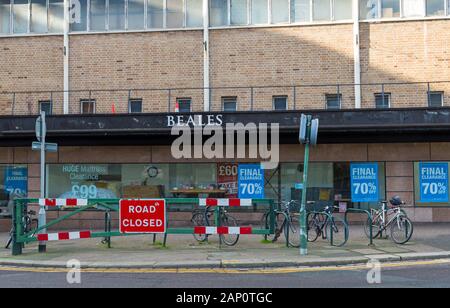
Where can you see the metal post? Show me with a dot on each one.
(382, 95)
(303, 222)
(251, 99)
(170, 97)
(42, 215)
(429, 95)
(295, 98)
(16, 247)
(14, 103)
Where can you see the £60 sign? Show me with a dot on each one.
(143, 216)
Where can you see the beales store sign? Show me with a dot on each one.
(195, 120)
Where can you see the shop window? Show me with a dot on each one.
(333, 101)
(98, 15)
(431, 184)
(13, 184)
(436, 99)
(260, 12)
(5, 14)
(184, 104)
(56, 16)
(38, 16)
(116, 15)
(413, 8)
(194, 13)
(87, 106)
(342, 9)
(155, 14)
(21, 16)
(435, 7)
(79, 22)
(321, 10)
(175, 15)
(301, 10)
(390, 8)
(135, 106)
(280, 11)
(136, 14)
(383, 101)
(218, 14)
(368, 9)
(46, 106)
(239, 12)
(229, 104)
(279, 102)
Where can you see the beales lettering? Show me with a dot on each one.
(194, 120)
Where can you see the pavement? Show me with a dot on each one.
(430, 241)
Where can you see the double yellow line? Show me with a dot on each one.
(286, 270)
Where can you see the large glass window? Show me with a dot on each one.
(194, 13)
(5, 14)
(239, 12)
(435, 7)
(218, 15)
(259, 12)
(301, 10)
(321, 10)
(13, 184)
(21, 14)
(368, 9)
(98, 15)
(155, 14)
(116, 14)
(342, 9)
(413, 8)
(280, 11)
(56, 16)
(390, 8)
(136, 14)
(78, 21)
(39, 16)
(175, 15)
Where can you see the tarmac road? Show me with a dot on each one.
(430, 274)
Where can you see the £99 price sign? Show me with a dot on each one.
(364, 181)
(251, 181)
(433, 182)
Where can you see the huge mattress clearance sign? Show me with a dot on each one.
(142, 216)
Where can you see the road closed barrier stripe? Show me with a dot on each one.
(63, 202)
(64, 236)
(223, 230)
(225, 202)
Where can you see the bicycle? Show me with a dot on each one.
(27, 224)
(393, 217)
(285, 221)
(204, 218)
(328, 226)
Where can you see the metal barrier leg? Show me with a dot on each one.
(154, 239)
(16, 248)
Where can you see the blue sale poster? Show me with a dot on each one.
(364, 182)
(251, 181)
(16, 180)
(433, 182)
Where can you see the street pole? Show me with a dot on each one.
(42, 220)
(303, 222)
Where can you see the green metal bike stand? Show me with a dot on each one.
(369, 217)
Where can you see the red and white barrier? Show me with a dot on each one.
(225, 202)
(63, 236)
(222, 230)
(63, 202)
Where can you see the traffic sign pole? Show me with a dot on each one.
(42, 219)
(303, 222)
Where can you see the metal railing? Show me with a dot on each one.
(236, 98)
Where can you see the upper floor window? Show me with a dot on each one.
(184, 104)
(135, 106)
(239, 12)
(218, 13)
(80, 21)
(46, 106)
(136, 14)
(435, 7)
(87, 106)
(435, 99)
(194, 13)
(280, 102)
(383, 101)
(372, 9)
(21, 16)
(155, 17)
(260, 12)
(229, 104)
(5, 15)
(116, 15)
(98, 15)
(333, 101)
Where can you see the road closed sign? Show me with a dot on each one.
(143, 216)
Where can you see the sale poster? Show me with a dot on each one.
(227, 179)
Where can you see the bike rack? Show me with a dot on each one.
(19, 237)
(369, 217)
(329, 216)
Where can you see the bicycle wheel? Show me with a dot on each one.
(401, 230)
(337, 231)
(313, 228)
(292, 231)
(376, 230)
(198, 220)
(229, 239)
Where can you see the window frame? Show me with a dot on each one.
(441, 93)
(285, 97)
(229, 98)
(135, 100)
(93, 101)
(42, 102)
(337, 97)
(180, 99)
(389, 100)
